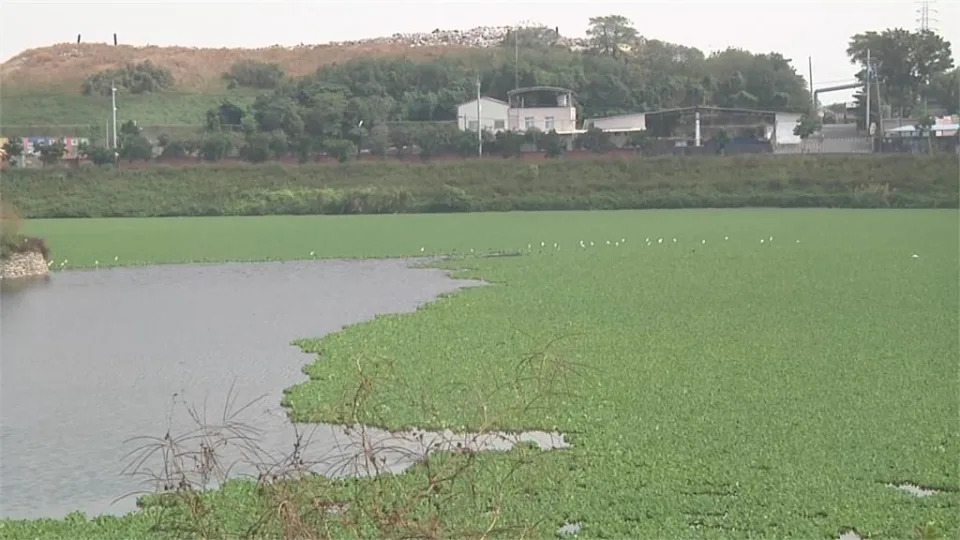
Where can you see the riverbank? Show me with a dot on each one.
(870, 181)
(713, 412)
(23, 257)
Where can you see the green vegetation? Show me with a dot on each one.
(11, 240)
(731, 388)
(911, 68)
(254, 74)
(619, 73)
(140, 78)
(38, 113)
(492, 185)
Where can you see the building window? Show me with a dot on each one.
(528, 122)
(548, 123)
(498, 124)
(474, 125)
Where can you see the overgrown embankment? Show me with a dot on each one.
(20, 256)
(900, 181)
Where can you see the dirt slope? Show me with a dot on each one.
(63, 67)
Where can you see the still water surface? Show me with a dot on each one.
(92, 358)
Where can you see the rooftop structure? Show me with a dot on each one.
(547, 108)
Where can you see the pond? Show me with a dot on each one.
(93, 358)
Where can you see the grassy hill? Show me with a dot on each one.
(40, 89)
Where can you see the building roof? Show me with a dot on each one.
(487, 98)
(540, 89)
(705, 108)
(613, 116)
(935, 127)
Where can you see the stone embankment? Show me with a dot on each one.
(21, 265)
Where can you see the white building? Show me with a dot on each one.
(785, 124)
(620, 127)
(547, 108)
(622, 122)
(493, 113)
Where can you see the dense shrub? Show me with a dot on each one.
(141, 78)
(11, 241)
(136, 147)
(98, 155)
(491, 184)
(215, 147)
(254, 74)
(175, 150)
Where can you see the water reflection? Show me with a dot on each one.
(91, 358)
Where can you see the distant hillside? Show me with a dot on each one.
(63, 67)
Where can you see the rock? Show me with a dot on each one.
(21, 265)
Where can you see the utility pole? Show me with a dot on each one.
(867, 88)
(479, 122)
(813, 97)
(876, 86)
(516, 57)
(113, 103)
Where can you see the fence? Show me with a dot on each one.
(816, 145)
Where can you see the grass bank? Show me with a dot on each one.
(73, 114)
(728, 387)
(491, 185)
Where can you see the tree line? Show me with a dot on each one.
(911, 71)
(376, 104)
(365, 101)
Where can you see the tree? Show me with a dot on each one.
(595, 139)
(136, 147)
(51, 153)
(378, 140)
(342, 150)
(254, 74)
(429, 141)
(215, 147)
(325, 117)
(257, 149)
(807, 125)
(611, 34)
(721, 139)
(905, 63)
(98, 155)
(141, 78)
(925, 127)
(330, 102)
(175, 150)
(639, 140)
(13, 149)
(465, 143)
(304, 147)
(128, 129)
(552, 145)
(276, 112)
(944, 91)
(509, 144)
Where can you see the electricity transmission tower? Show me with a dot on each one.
(926, 14)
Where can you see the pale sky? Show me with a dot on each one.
(795, 28)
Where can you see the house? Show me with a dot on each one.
(547, 108)
(493, 113)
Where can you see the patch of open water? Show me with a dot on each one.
(92, 358)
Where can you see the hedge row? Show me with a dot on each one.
(867, 181)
